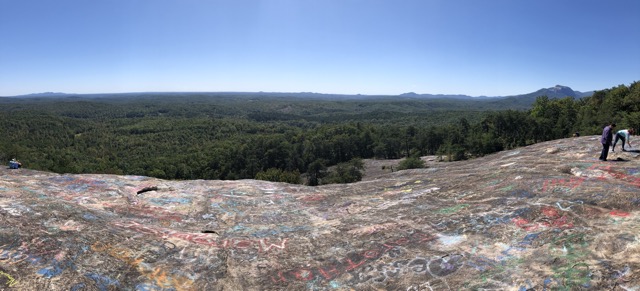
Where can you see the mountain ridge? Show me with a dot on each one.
(557, 91)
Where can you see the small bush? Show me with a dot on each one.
(343, 173)
(411, 163)
(277, 175)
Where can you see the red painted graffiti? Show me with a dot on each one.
(619, 213)
(551, 218)
(635, 181)
(570, 183)
(550, 212)
(146, 211)
(262, 245)
(562, 222)
(525, 224)
(349, 263)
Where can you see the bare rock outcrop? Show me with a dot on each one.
(543, 217)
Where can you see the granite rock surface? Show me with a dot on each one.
(544, 217)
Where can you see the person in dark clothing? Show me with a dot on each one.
(14, 164)
(606, 139)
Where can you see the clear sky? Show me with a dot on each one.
(472, 47)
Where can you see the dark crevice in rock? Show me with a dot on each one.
(147, 189)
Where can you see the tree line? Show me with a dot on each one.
(311, 141)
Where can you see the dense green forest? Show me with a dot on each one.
(227, 136)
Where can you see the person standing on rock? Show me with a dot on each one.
(622, 134)
(606, 139)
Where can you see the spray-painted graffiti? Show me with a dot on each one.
(445, 265)
(145, 211)
(619, 213)
(351, 262)
(563, 184)
(51, 258)
(437, 267)
(9, 281)
(550, 217)
(569, 267)
(159, 275)
(235, 202)
(59, 264)
(102, 282)
(633, 180)
(262, 245)
(595, 171)
(453, 209)
(32, 252)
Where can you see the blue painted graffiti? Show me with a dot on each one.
(103, 282)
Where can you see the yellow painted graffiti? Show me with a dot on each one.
(10, 280)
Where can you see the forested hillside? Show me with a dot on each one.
(199, 136)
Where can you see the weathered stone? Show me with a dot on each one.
(548, 216)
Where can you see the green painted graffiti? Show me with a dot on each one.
(571, 270)
(453, 209)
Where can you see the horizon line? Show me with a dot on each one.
(277, 92)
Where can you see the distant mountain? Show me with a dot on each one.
(558, 91)
(45, 94)
(514, 102)
(439, 96)
(555, 92)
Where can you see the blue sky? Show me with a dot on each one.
(472, 47)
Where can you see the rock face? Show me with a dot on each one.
(544, 217)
